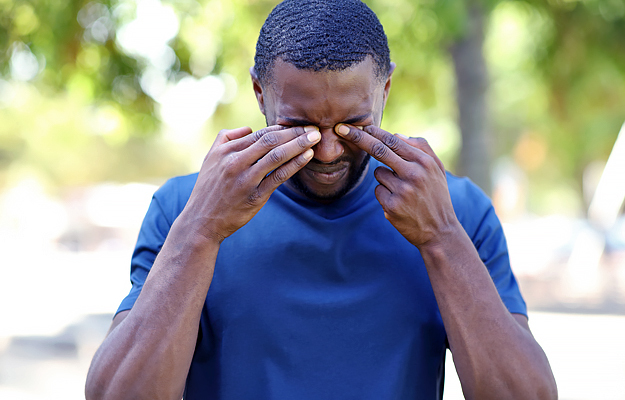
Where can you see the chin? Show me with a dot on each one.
(332, 194)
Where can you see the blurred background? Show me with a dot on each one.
(102, 101)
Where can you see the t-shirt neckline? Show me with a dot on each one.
(338, 206)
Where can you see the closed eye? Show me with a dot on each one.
(362, 120)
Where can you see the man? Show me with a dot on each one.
(320, 257)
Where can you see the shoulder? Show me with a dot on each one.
(471, 205)
(174, 194)
(179, 185)
(463, 189)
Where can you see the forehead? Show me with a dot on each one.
(325, 97)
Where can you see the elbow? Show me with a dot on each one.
(543, 384)
(94, 390)
(98, 385)
(117, 385)
(100, 390)
(101, 385)
(549, 390)
(538, 388)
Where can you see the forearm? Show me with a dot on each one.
(149, 353)
(496, 358)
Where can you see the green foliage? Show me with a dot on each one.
(557, 69)
(558, 81)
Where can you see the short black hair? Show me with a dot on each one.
(321, 35)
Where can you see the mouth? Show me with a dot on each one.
(327, 174)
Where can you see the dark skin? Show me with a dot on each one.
(148, 350)
(494, 352)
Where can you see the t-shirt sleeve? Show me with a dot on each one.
(152, 234)
(477, 215)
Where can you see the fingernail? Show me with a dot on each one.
(313, 136)
(308, 154)
(362, 128)
(310, 128)
(342, 129)
(402, 136)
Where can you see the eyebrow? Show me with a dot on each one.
(303, 122)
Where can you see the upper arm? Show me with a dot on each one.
(477, 216)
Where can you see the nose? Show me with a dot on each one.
(329, 147)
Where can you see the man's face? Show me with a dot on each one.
(324, 99)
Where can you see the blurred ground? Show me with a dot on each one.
(65, 270)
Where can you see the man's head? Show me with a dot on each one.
(321, 35)
(323, 62)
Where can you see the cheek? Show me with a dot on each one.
(354, 151)
(269, 108)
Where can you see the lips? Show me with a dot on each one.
(327, 174)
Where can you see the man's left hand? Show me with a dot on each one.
(413, 190)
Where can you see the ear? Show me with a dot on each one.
(387, 85)
(258, 90)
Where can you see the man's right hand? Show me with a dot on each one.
(240, 172)
(148, 351)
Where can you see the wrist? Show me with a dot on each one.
(449, 240)
(196, 230)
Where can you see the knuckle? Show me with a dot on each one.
(232, 161)
(258, 134)
(280, 175)
(277, 156)
(300, 162)
(391, 141)
(302, 142)
(379, 150)
(430, 164)
(406, 189)
(269, 140)
(253, 198)
(391, 206)
(356, 136)
(413, 175)
(420, 142)
(298, 130)
(370, 129)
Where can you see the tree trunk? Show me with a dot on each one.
(471, 85)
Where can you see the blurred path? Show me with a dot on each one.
(57, 306)
(587, 354)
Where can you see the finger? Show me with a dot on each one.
(394, 142)
(280, 155)
(273, 139)
(423, 154)
(245, 141)
(423, 145)
(383, 195)
(284, 173)
(272, 132)
(387, 178)
(227, 135)
(371, 145)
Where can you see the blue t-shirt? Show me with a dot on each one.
(322, 301)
